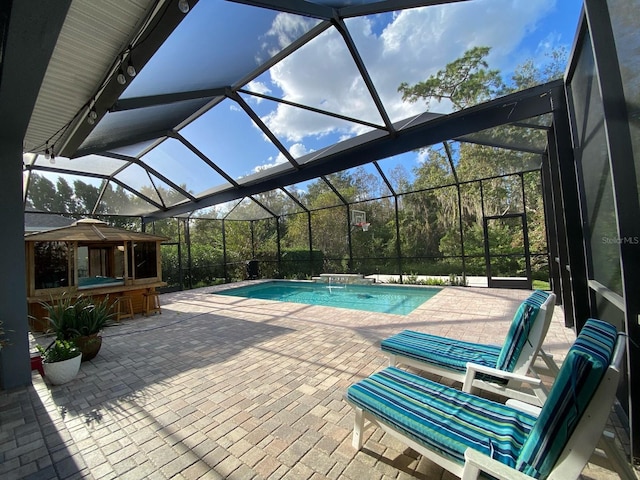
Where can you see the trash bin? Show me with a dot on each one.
(253, 269)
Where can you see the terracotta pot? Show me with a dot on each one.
(62, 372)
(89, 345)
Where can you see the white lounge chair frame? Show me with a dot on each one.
(523, 373)
(587, 436)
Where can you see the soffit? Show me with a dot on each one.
(93, 35)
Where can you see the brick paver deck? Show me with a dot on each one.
(223, 387)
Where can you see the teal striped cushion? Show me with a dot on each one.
(454, 354)
(442, 418)
(442, 351)
(519, 331)
(579, 377)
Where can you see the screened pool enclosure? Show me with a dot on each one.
(439, 221)
(248, 169)
(400, 139)
(436, 230)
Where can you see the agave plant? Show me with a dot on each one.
(61, 316)
(91, 316)
(70, 318)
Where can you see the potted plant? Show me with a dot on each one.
(61, 361)
(90, 317)
(81, 320)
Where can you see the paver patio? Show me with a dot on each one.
(223, 387)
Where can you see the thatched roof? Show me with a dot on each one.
(89, 230)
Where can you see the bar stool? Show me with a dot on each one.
(151, 303)
(123, 307)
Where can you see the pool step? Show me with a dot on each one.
(345, 278)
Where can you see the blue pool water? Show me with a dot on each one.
(371, 298)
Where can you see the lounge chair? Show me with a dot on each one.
(467, 435)
(503, 370)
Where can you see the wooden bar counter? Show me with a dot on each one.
(37, 313)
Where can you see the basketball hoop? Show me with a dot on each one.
(359, 219)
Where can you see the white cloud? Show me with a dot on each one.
(296, 150)
(295, 124)
(322, 75)
(414, 44)
(422, 155)
(548, 43)
(419, 42)
(258, 87)
(285, 29)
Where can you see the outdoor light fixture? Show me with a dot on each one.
(122, 80)
(92, 116)
(183, 6)
(51, 156)
(131, 70)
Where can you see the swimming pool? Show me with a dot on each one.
(371, 298)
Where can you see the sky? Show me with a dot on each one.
(406, 46)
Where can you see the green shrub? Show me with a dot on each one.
(58, 351)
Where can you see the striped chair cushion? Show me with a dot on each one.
(442, 418)
(579, 377)
(454, 354)
(519, 331)
(442, 351)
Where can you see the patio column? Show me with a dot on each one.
(31, 32)
(15, 370)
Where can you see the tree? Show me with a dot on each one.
(529, 73)
(464, 82)
(428, 214)
(433, 217)
(41, 194)
(87, 195)
(65, 198)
